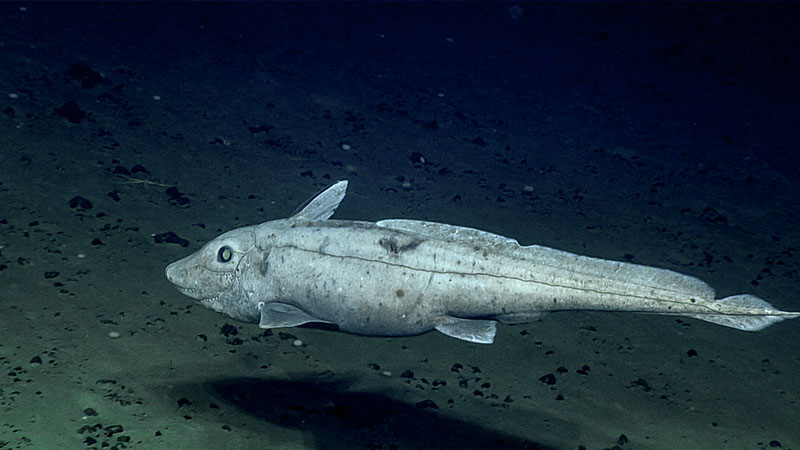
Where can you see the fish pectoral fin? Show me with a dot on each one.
(470, 330)
(282, 315)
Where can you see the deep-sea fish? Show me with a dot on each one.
(403, 277)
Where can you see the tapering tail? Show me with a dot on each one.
(747, 312)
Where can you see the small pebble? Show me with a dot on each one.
(113, 334)
(156, 97)
(346, 147)
(298, 343)
(13, 95)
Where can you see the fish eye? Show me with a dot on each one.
(224, 254)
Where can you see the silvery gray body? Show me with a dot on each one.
(407, 277)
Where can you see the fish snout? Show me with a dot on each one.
(172, 273)
(178, 274)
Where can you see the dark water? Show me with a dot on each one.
(132, 133)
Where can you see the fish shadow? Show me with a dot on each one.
(342, 419)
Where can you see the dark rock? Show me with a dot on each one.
(548, 379)
(426, 404)
(712, 215)
(72, 112)
(260, 129)
(84, 75)
(80, 202)
(286, 336)
(479, 141)
(138, 168)
(170, 238)
(432, 125)
(228, 330)
(113, 429)
(121, 170)
(640, 382)
(176, 196)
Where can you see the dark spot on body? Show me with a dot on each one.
(400, 293)
(392, 246)
(263, 267)
(389, 244)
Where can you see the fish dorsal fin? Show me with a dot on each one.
(444, 231)
(322, 205)
(557, 261)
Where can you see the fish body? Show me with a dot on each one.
(402, 277)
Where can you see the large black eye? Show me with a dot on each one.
(225, 254)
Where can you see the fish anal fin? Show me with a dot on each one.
(524, 317)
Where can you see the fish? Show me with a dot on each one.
(404, 277)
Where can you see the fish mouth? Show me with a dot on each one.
(189, 292)
(178, 275)
(175, 274)
(198, 294)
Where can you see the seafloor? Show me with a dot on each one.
(132, 133)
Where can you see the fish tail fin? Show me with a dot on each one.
(746, 322)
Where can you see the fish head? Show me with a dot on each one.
(212, 275)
